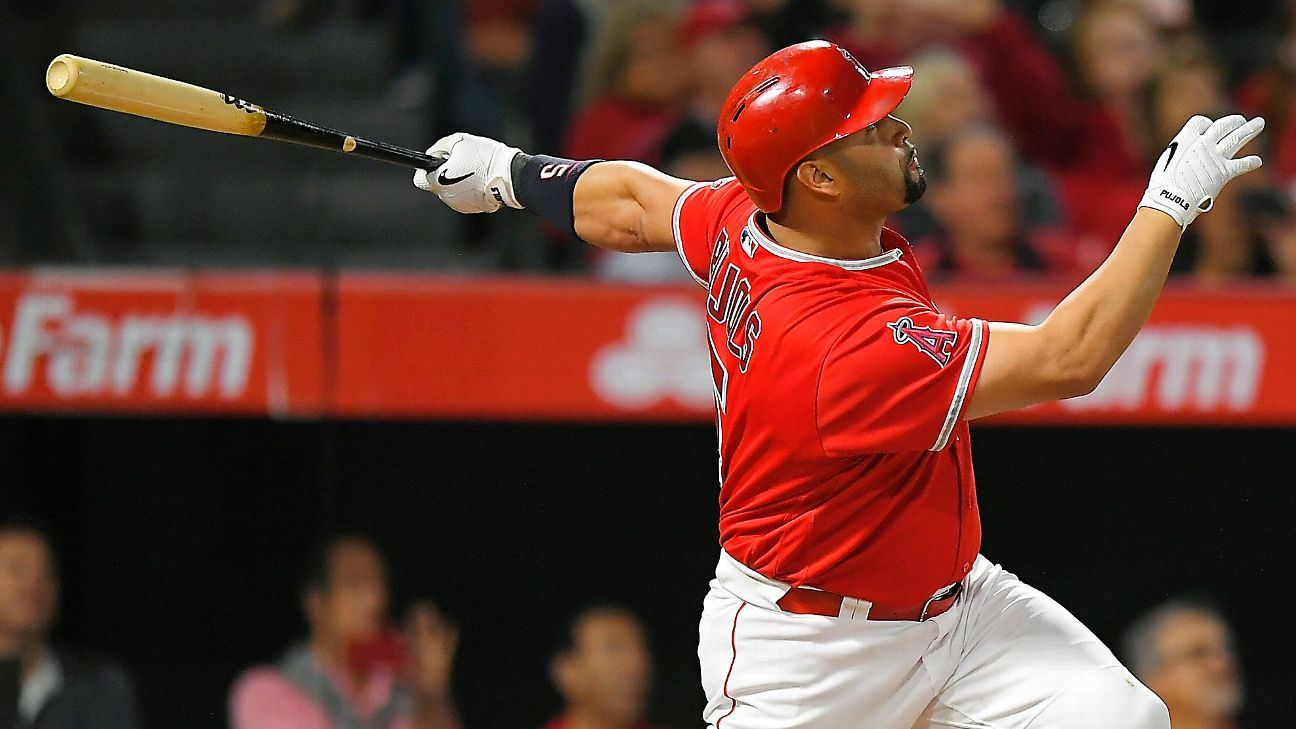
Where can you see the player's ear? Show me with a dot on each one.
(817, 176)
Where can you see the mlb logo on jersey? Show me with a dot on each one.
(935, 343)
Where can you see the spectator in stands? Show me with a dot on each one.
(352, 670)
(1117, 52)
(634, 85)
(974, 198)
(562, 33)
(57, 687)
(1171, 16)
(721, 41)
(999, 44)
(1090, 134)
(603, 671)
(493, 43)
(1033, 98)
(1227, 242)
(1027, 87)
(1272, 214)
(947, 96)
(1183, 651)
(499, 31)
(784, 22)
(881, 33)
(1272, 93)
(1191, 82)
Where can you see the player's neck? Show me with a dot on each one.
(828, 235)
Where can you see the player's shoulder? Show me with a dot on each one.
(825, 306)
(838, 305)
(722, 201)
(813, 303)
(725, 186)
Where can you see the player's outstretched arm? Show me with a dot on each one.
(621, 206)
(1073, 349)
(627, 206)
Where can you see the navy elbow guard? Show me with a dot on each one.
(546, 185)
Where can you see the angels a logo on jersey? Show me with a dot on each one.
(935, 343)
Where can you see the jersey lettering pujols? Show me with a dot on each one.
(845, 462)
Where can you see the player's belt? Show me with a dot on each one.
(807, 601)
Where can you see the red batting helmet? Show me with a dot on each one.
(794, 102)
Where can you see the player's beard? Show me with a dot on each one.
(915, 186)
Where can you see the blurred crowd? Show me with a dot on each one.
(1037, 122)
(357, 669)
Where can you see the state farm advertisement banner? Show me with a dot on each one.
(528, 349)
(1204, 358)
(569, 350)
(362, 345)
(161, 342)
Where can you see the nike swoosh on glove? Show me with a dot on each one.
(476, 177)
(1198, 163)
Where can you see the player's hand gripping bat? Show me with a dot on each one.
(120, 89)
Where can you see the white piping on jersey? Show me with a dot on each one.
(679, 239)
(675, 227)
(857, 264)
(960, 392)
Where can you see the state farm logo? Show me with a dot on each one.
(662, 357)
(1176, 368)
(77, 353)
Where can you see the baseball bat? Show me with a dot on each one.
(113, 87)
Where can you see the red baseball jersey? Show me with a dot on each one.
(845, 462)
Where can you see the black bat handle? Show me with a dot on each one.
(384, 152)
(291, 129)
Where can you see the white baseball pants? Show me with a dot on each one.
(1005, 656)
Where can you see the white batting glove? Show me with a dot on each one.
(477, 176)
(1198, 163)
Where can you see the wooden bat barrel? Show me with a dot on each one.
(115, 88)
(108, 86)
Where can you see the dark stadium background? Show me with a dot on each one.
(179, 537)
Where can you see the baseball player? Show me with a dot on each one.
(850, 591)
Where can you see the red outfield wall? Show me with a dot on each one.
(297, 344)
(158, 341)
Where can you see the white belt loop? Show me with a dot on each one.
(854, 609)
